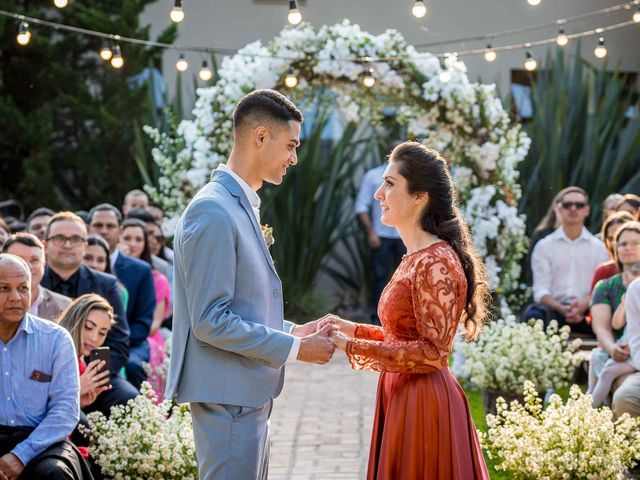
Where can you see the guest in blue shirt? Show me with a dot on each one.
(386, 246)
(39, 386)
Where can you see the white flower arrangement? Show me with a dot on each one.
(144, 440)
(568, 440)
(464, 120)
(508, 353)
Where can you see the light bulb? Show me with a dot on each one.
(368, 80)
(182, 65)
(534, 3)
(205, 73)
(445, 76)
(117, 61)
(24, 35)
(294, 16)
(490, 55)
(636, 15)
(106, 53)
(290, 80)
(530, 63)
(60, 3)
(177, 13)
(562, 38)
(600, 51)
(419, 9)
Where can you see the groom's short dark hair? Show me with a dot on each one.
(263, 106)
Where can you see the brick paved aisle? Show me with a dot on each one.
(321, 423)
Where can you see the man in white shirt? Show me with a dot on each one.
(386, 246)
(563, 264)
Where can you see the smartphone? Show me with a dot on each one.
(101, 353)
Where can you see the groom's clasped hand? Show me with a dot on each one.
(320, 338)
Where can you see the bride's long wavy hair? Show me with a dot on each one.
(426, 171)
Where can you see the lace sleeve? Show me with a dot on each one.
(435, 297)
(369, 332)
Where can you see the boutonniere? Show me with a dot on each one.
(267, 233)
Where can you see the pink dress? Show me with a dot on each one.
(157, 349)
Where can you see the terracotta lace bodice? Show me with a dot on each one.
(419, 311)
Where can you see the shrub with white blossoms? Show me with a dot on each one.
(508, 353)
(568, 440)
(464, 120)
(144, 440)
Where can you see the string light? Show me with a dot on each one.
(24, 35)
(182, 65)
(600, 51)
(368, 80)
(177, 13)
(61, 3)
(490, 55)
(117, 61)
(534, 3)
(419, 9)
(530, 63)
(294, 17)
(562, 38)
(205, 72)
(291, 80)
(105, 52)
(636, 15)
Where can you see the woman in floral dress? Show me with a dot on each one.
(422, 428)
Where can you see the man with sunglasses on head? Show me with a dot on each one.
(563, 264)
(65, 245)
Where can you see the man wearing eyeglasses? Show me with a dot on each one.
(563, 264)
(66, 240)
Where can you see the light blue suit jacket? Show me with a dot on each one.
(228, 343)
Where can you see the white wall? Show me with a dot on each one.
(234, 23)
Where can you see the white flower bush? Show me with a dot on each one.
(464, 120)
(143, 440)
(571, 440)
(508, 353)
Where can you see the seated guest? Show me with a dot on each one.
(134, 236)
(5, 231)
(563, 264)
(155, 240)
(158, 213)
(609, 229)
(629, 203)
(89, 319)
(137, 278)
(609, 205)
(38, 220)
(607, 299)
(135, 199)
(65, 248)
(549, 223)
(40, 393)
(97, 258)
(626, 399)
(44, 303)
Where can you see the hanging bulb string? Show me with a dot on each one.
(530, 28)
(232, 51)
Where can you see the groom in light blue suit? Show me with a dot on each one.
(230, 340)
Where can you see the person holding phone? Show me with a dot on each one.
(88, 319)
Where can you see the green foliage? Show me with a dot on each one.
(312, 214)
(69, 123)
(581, 135)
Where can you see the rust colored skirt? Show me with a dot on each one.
(423, 430)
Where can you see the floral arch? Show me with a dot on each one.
(464, 120)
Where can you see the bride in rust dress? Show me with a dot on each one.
(422, 428)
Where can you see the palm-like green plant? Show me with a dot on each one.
(312, 213)
(581, 135)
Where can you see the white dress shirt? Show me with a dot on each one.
(254, 201)
(632, 314)
(563, 268)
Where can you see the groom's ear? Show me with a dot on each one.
(260, 135)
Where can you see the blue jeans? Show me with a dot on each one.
(546, 313)
(385, 260)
